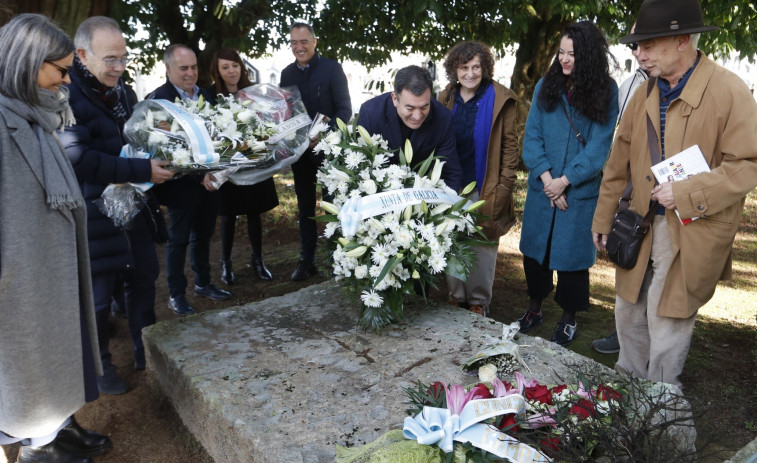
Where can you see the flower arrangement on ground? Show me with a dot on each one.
(487, 422)
(391, 227)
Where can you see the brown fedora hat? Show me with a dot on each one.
(665, 18)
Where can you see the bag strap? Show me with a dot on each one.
(654, 154)
(570, 121)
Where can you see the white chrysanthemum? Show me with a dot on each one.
(437, 262)
(352, 159)
(181, 157)
(246, 116)
(375, 271)
(323, 146)
(379, 161)
(331, 228)
(487, 373)
(361, 271)
(379, 174)
(157, 138)
(380, 254)
(426, 230)
(371, 299)
(365, 174)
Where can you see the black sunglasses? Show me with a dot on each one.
(633, 45)
(63, 70)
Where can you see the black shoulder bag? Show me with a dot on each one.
(629, 227)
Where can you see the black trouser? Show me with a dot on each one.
(304, 171)
(134, 289)
(572, 287)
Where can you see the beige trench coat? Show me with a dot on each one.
(717, 112)
(501, 163)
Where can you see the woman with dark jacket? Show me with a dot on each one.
(49, 356)
(483, 113)
(230, 75)
(575, 96)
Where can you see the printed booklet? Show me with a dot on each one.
(680, 167)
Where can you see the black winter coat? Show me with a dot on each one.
(94, 145)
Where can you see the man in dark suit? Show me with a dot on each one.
(409, 112)
(101, 103)
(192, 201)
(323, 87)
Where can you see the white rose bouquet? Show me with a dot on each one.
(390, 226)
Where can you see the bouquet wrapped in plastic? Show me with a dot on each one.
(244, 139)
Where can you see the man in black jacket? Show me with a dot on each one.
(192, 201)
(409, 112)
(101, 104)
(323, 87)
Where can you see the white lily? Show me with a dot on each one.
(475, 206)
(328, 207)
(408, 152)
(468, 188)
(436, 173)
(365, 135)
(339, 175)
(357, 252)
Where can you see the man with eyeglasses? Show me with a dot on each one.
(324, 90)
(101, 104)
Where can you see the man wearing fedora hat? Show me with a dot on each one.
(689, 100)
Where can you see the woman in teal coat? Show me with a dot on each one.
(565, 171)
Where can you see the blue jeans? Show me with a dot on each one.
(191, 226)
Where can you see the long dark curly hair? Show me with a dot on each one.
(589, 82)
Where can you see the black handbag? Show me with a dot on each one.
(627, 233)
(628, 227)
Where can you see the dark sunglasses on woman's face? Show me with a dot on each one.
(633, 46)
(63, 70)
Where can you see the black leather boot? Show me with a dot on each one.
(50, 453)
(78, 440)
(258, 266)
(227, 274)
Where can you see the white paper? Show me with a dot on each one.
(680, 167)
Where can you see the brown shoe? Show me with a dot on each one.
(479, 309)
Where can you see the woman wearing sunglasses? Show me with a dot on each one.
(49, 354)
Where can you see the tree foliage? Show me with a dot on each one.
(368, 32)
(249, 26)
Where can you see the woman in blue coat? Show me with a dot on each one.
(565, 170)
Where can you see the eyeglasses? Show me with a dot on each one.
(63, 70)
(112, 62)
(633, 45)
